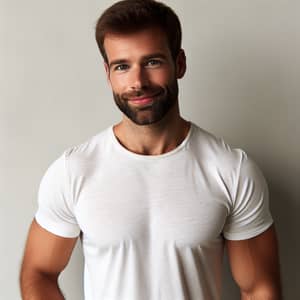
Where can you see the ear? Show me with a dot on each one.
(180, 64)
(107, 71)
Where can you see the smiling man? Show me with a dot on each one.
(142, 73)
(154, 198)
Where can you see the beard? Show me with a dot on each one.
(164, 99)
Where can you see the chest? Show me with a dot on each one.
(168, 203)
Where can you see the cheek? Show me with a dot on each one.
(118, 83)
(161, 78)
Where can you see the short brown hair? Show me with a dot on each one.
(129, 16)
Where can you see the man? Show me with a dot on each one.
(154, 197)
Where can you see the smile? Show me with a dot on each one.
(144, 99)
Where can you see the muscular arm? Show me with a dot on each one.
(46, 255)
(255, 266)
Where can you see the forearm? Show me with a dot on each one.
(39, 286)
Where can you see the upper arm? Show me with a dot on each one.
(254, 264)
(46, 252)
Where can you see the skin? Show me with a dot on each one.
(45, 257)
(139, 65)
(136, 63)
(255, 266)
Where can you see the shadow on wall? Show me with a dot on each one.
(285, 210)
(229, 288)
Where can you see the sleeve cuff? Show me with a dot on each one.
(66, 230)
(244, 235)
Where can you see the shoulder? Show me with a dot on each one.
(214, 151)
(231, 167)
(86, 154)
(89, 147)
(76, 156)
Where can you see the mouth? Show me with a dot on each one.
(143, 100)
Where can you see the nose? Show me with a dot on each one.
(138, 78)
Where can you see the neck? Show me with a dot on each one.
(153, 139)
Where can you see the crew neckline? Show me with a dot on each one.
(127, 152)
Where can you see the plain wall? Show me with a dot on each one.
(242, 83)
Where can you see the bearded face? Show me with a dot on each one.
(143, 74)
(158, 102)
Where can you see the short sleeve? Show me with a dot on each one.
(250, 214)
(55, 209)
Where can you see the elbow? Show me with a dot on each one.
(267, 292)
(31, 274)
(30, 277)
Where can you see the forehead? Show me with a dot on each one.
(138, 44)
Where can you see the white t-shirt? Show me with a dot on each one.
(153, 227)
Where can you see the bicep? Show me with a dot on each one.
(254, 262)
(46, 252)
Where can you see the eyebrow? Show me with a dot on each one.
(117, 62)
(146, 57)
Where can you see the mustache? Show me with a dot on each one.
(150, 91)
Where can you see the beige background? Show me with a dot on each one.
(242, 83)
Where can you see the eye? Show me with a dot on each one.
(153, 63)
(121, 67)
